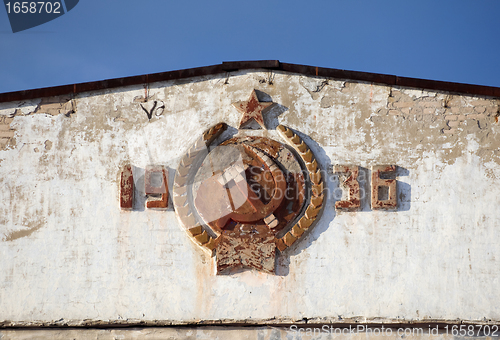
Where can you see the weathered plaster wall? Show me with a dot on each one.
(69, 252)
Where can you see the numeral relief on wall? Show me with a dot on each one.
(352, 185)
(155, 181)
(384, 195)
(127, 188)
(155, 187)
(383, 191)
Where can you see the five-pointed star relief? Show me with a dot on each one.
(252, 109)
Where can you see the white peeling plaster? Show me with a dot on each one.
(437, 257)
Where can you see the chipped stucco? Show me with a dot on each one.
(69, 251)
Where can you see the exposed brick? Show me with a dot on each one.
(455, 101)
(461, 117)
(6, 120)
(456, 109)
(482, 102)
(477, 116)
(7, 134)
(451, 117)
(394, 112)
(430, 104)
(403, 104)
(429, 111)
(453, 123)
(480, 109)
(4, 127)
(405, 110)
(482, 124)
(4, 141)
(450, 131)
(56, 105)
(492, 109)
(382, 112)
(377, 119)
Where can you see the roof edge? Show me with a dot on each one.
(232, 66)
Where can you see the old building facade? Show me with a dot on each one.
(401, 227)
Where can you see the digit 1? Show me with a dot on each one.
(127, 188)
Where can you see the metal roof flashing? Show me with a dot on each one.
(232, 66)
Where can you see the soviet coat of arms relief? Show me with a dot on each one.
(244, 196)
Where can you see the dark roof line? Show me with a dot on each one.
(258, 64)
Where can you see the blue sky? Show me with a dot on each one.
(456, 41)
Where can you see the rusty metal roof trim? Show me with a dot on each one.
(232, 66)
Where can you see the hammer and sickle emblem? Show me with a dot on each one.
(233, 198)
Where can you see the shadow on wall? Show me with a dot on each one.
(324, 217)
(334, 194)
